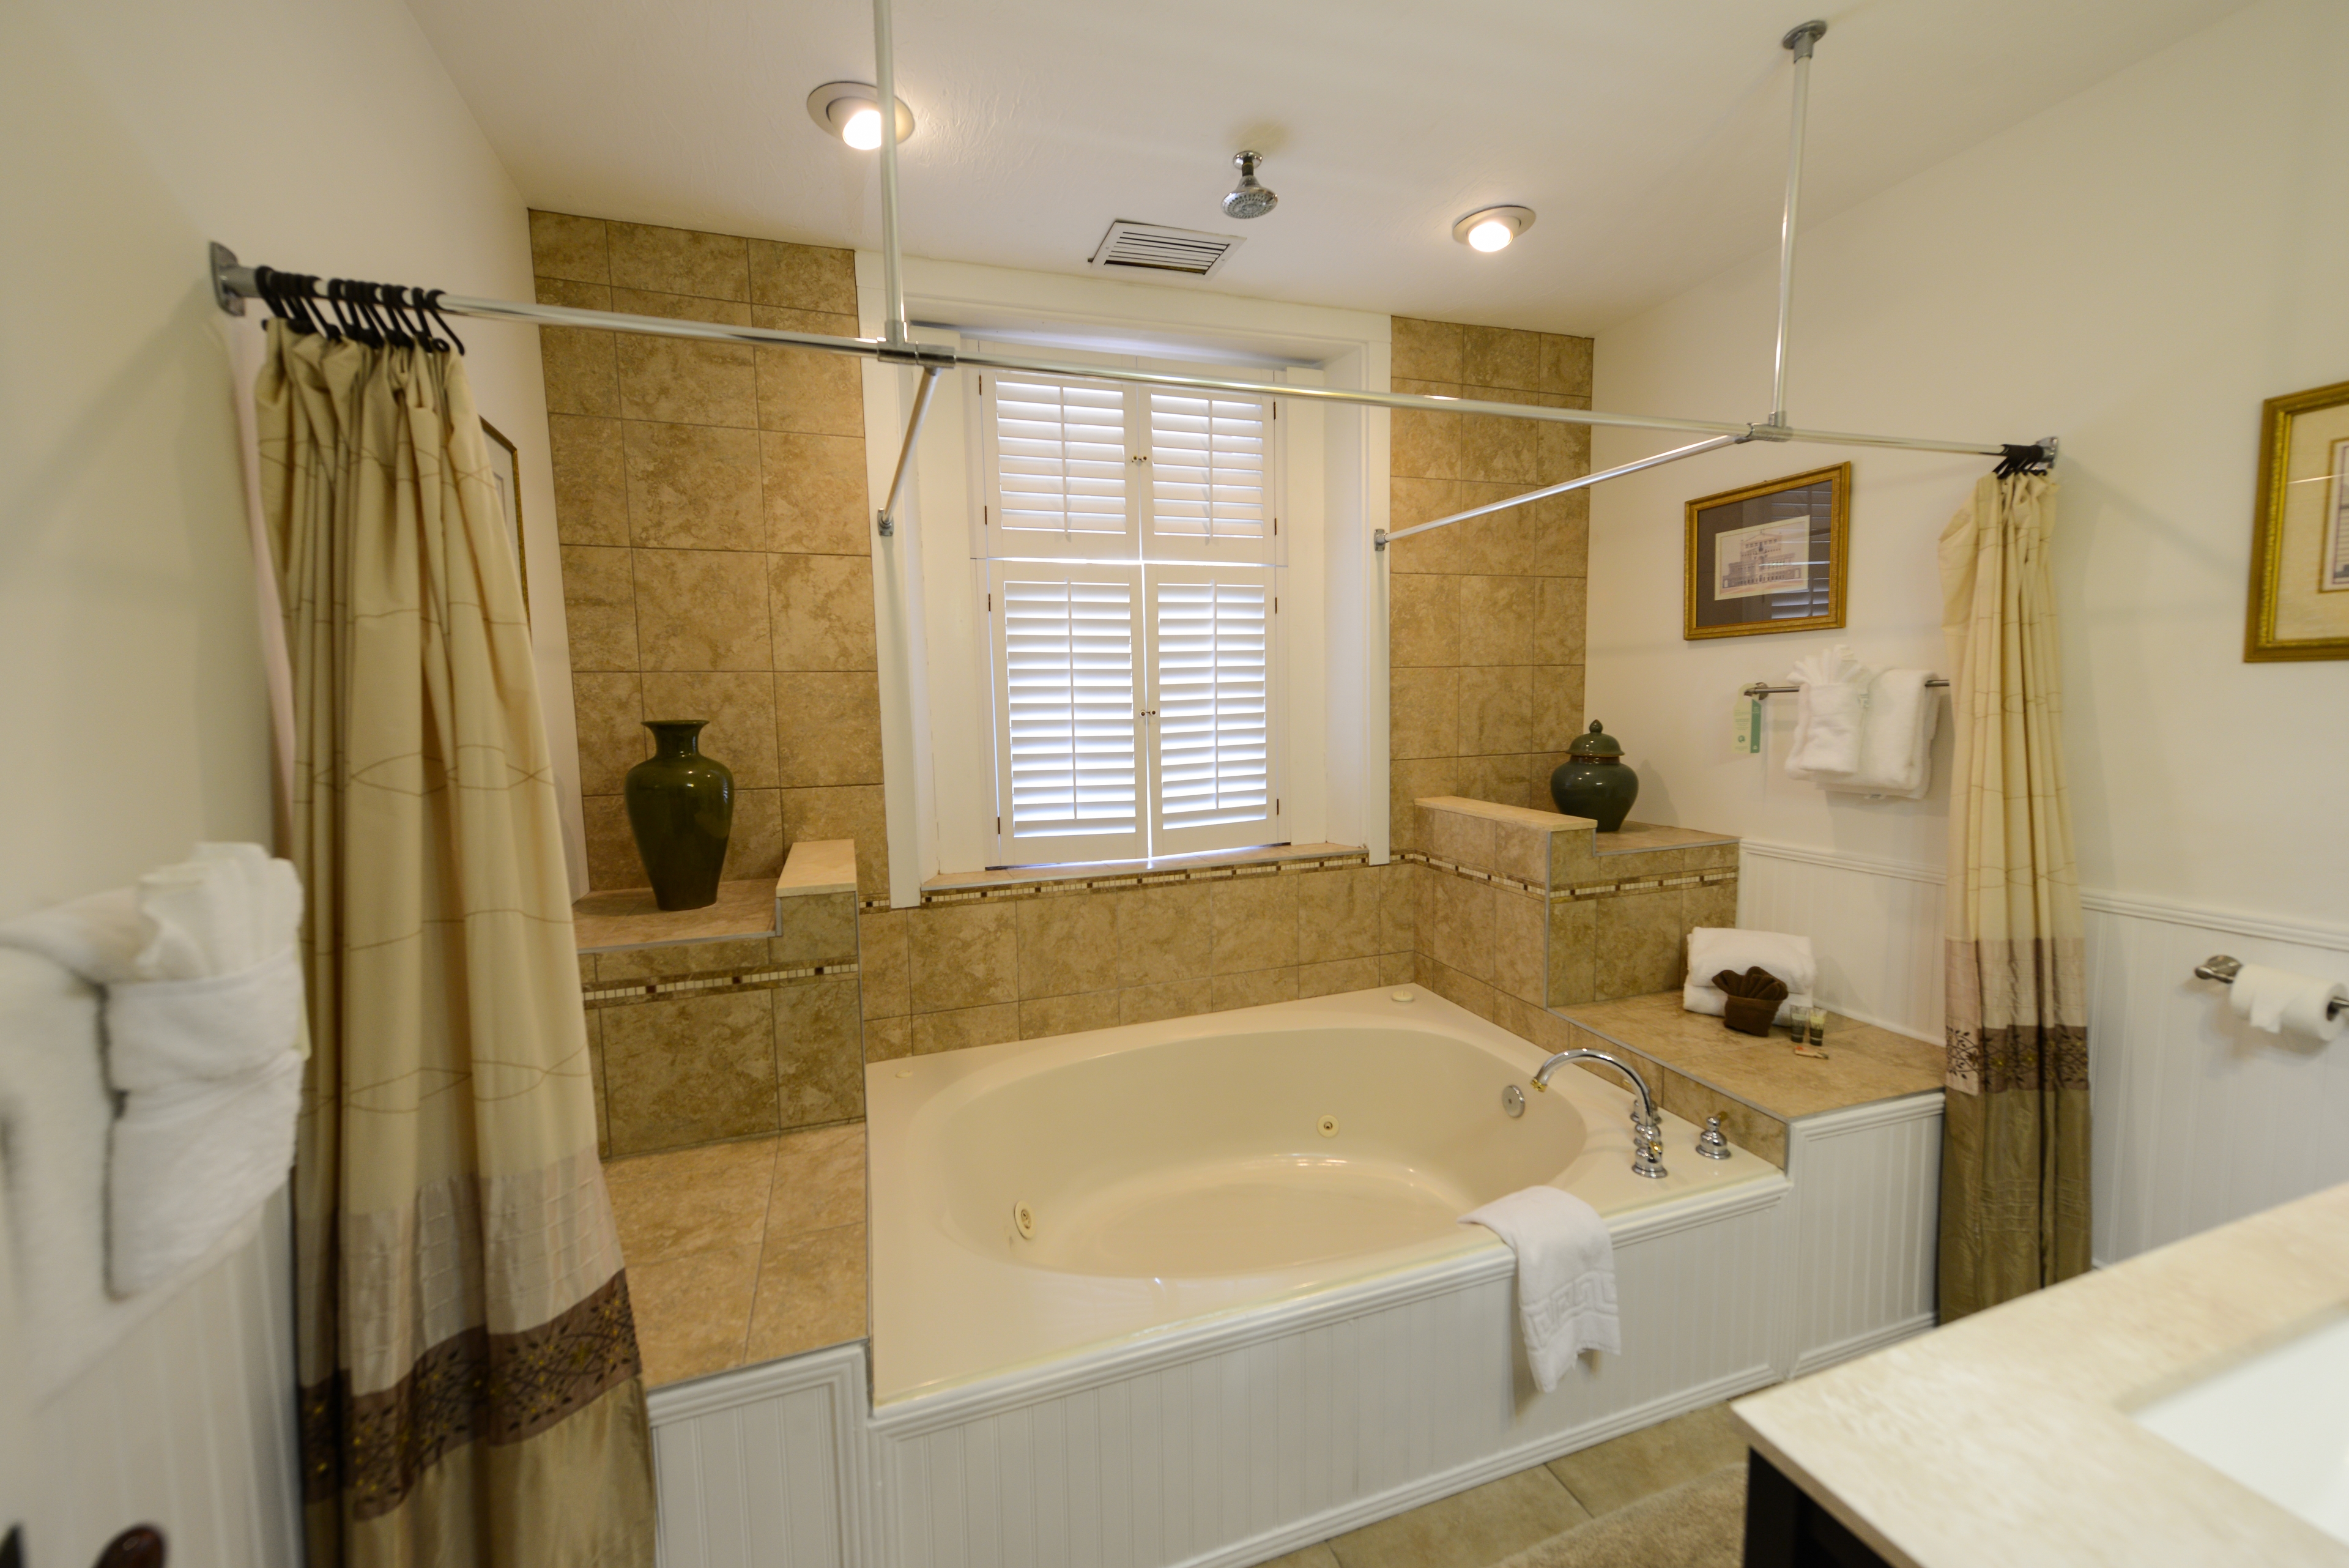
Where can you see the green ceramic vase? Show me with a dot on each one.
(1595, 782)
(681, 809)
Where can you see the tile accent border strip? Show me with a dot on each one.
(757, 977)
(1006, 891)
(1581, 891)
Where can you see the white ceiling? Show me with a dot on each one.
(1650, 135)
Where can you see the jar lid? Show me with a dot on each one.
(1598, 743)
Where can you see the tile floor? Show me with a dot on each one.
(740, 1253)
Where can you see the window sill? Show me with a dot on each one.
(1033, 881)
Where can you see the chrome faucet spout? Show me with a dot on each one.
(1646, 1132)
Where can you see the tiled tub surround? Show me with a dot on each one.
(716, 549)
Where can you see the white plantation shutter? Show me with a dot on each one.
(1068, 647)
(1210, 478)
(1210, 682)
(1057, 459)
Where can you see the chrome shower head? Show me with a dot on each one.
(1249, 199)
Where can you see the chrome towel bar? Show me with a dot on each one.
(1763, 688)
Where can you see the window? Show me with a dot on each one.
(1130, 541)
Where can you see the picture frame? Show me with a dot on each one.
(1768, 557)
(505, 471)
(2299, 606)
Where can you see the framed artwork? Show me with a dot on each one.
(1769, 557)
(2300, 530)
(504, 470)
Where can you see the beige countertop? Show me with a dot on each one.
(1864, 1064)
(2006, 1437)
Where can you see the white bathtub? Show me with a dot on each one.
(1175, 1171)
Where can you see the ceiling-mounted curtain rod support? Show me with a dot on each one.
(893, 259)
(1381, 538)
(888, 520)
(1801, 41)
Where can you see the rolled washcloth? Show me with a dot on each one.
(204, 1042)
(1712, 949)
(1896, 737)
(1829, 713)
(1566, 1276)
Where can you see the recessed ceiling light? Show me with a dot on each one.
(1492, 228)
(851, 111)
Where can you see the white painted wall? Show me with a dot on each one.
(321, 135)
(2135, 269)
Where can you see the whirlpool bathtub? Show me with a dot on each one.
(1034, 1199)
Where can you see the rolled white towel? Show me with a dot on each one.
(1712, 949)
(2279, 1000)
(1566, 1276)
(1896, 737)
(1829, 714)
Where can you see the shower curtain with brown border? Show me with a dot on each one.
(2014, 1150)
(470, 1388)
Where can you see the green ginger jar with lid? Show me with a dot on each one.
(1595, 782)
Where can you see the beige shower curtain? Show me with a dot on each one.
(469, 1373)
(2015, 1151)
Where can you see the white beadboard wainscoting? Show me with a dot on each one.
(765, 1465)
(2200, 1118)
(1868, 1185)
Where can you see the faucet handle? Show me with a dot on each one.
(1710, 1143)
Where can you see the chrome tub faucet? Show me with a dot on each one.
(1647, 1131)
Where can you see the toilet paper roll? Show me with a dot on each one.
(2276, 999)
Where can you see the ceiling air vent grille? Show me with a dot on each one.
(1147, 247)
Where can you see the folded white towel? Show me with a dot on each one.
(1896, 737)
(2277, 1000)
(1712, 949)
(1566, 1276)
(1828, 712)
(204, 1041)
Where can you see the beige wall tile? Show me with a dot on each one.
(678, 380)
(1398, 904)
(1521, 946)
(1068, 944)
(811, 1294)
(887, 1038)
(809, 391)
(963, 955)
(683, 957)
(1499, 779)
(1714, 904)
(1560, 629)
(1396, 968)
(1638, 948)
(1425, 350)
(694, 487)
(680, 260)
(609, 710)
(1411, 501)
(591, 480)
(1558, 705)
(1166, 999)
(1741, 1124)
(582, 368)
(828, 726)
(1497, 711)
(815, 927)
(1043, 1015)
(1521, 850)
(1421, 443)
(756, 845)
(1456, 924)
(964, 1026)
(1408, 780)
(1338, 914)
(1560, 547)
(567, 247)
(1539, 766)
(740, 708)
(846, 811)
(1497, 620)
(703, 609)
(1461, 989)
(1162, 935)
(819, 1180)
(1336, 976)
(1566, 364)
(612, 859)
(1500, 544)
(691, 1200)
(1255, 988)
(817, 499)
(693, 1313)
(1423, 710)
(577, 295)
(1423, 618)
(1490, 356)
(1561, 451)
(882, 961)
(822, 610)
(681, 307)
(1252, 922)
(1462, 838)
(599, 607)
(688, 1071)
(1499, 451)
(818, 1053)
(805, 277)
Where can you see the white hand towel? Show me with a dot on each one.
(1829, 713)
(1896, 737)
(204, 1039)
(1566, 1276)
(1712, 949)
(2277, 1000)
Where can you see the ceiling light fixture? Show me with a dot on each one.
(851, 111)
(1492, 228)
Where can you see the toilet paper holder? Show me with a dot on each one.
(2223, 969)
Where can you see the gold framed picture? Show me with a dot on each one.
(2300, 530)
(1769, 557)
(505, 473)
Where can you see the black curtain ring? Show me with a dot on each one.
(432, 301)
